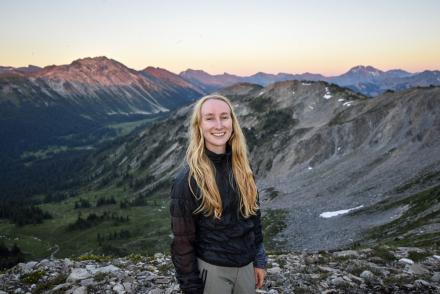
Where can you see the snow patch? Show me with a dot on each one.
(329, 214)
(261, 93)
(311, 107)
(310, 168)
(340, 100)
(348, 103)
(327, 94)
(306, 84)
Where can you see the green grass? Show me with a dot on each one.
(418, 256)
(384, 253)
(149, 228)
(44, 153)
(32, 277)
(274, 221)
(126, 127)
(415, 217)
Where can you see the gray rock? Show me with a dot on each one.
(46, 262)
(129, 287)
(28, 267)
(61, 287)
(346, 253)
(87, 282)
(327, 269)
(422, 284)
(118, 288)
(68, 262)
(156, 291)
(273, 270)
(406, 261)
(436, 277)
(367, 275)
(162, 280)
(417, 269)
(80, 290)
(338, 281)
(78, 274)
(106, 269)
(90, 267)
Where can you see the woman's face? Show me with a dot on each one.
(216, 124)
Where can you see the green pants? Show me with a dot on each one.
(227, 280)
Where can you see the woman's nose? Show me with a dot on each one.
(218, 123)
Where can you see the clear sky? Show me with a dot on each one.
(238, 37)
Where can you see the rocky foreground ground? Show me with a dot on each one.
(379, 270)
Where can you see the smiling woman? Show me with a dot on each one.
(216, 220)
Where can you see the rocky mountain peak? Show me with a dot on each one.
(98, 70)
(365, 70)
(194, 72)
(162, 74)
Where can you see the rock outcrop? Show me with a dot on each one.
(378, 270)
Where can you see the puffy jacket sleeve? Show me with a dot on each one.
(183, 226)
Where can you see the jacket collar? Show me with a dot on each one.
(218, 158)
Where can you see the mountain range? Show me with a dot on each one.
(334, 167)
(366, 80)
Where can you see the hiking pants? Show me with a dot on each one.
(227, 280)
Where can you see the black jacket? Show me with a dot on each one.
(231, 241)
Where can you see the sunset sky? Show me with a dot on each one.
(238, 37)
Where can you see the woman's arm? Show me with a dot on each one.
(260, 258)
(183, 227)
(260, 261)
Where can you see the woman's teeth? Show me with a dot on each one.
(218, 134)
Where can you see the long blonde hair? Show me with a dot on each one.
(202, 170)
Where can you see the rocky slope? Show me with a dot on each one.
(384, 270)
(318, 151)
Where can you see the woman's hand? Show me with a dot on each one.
(260, 274)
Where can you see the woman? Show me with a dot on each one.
(215, 217)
